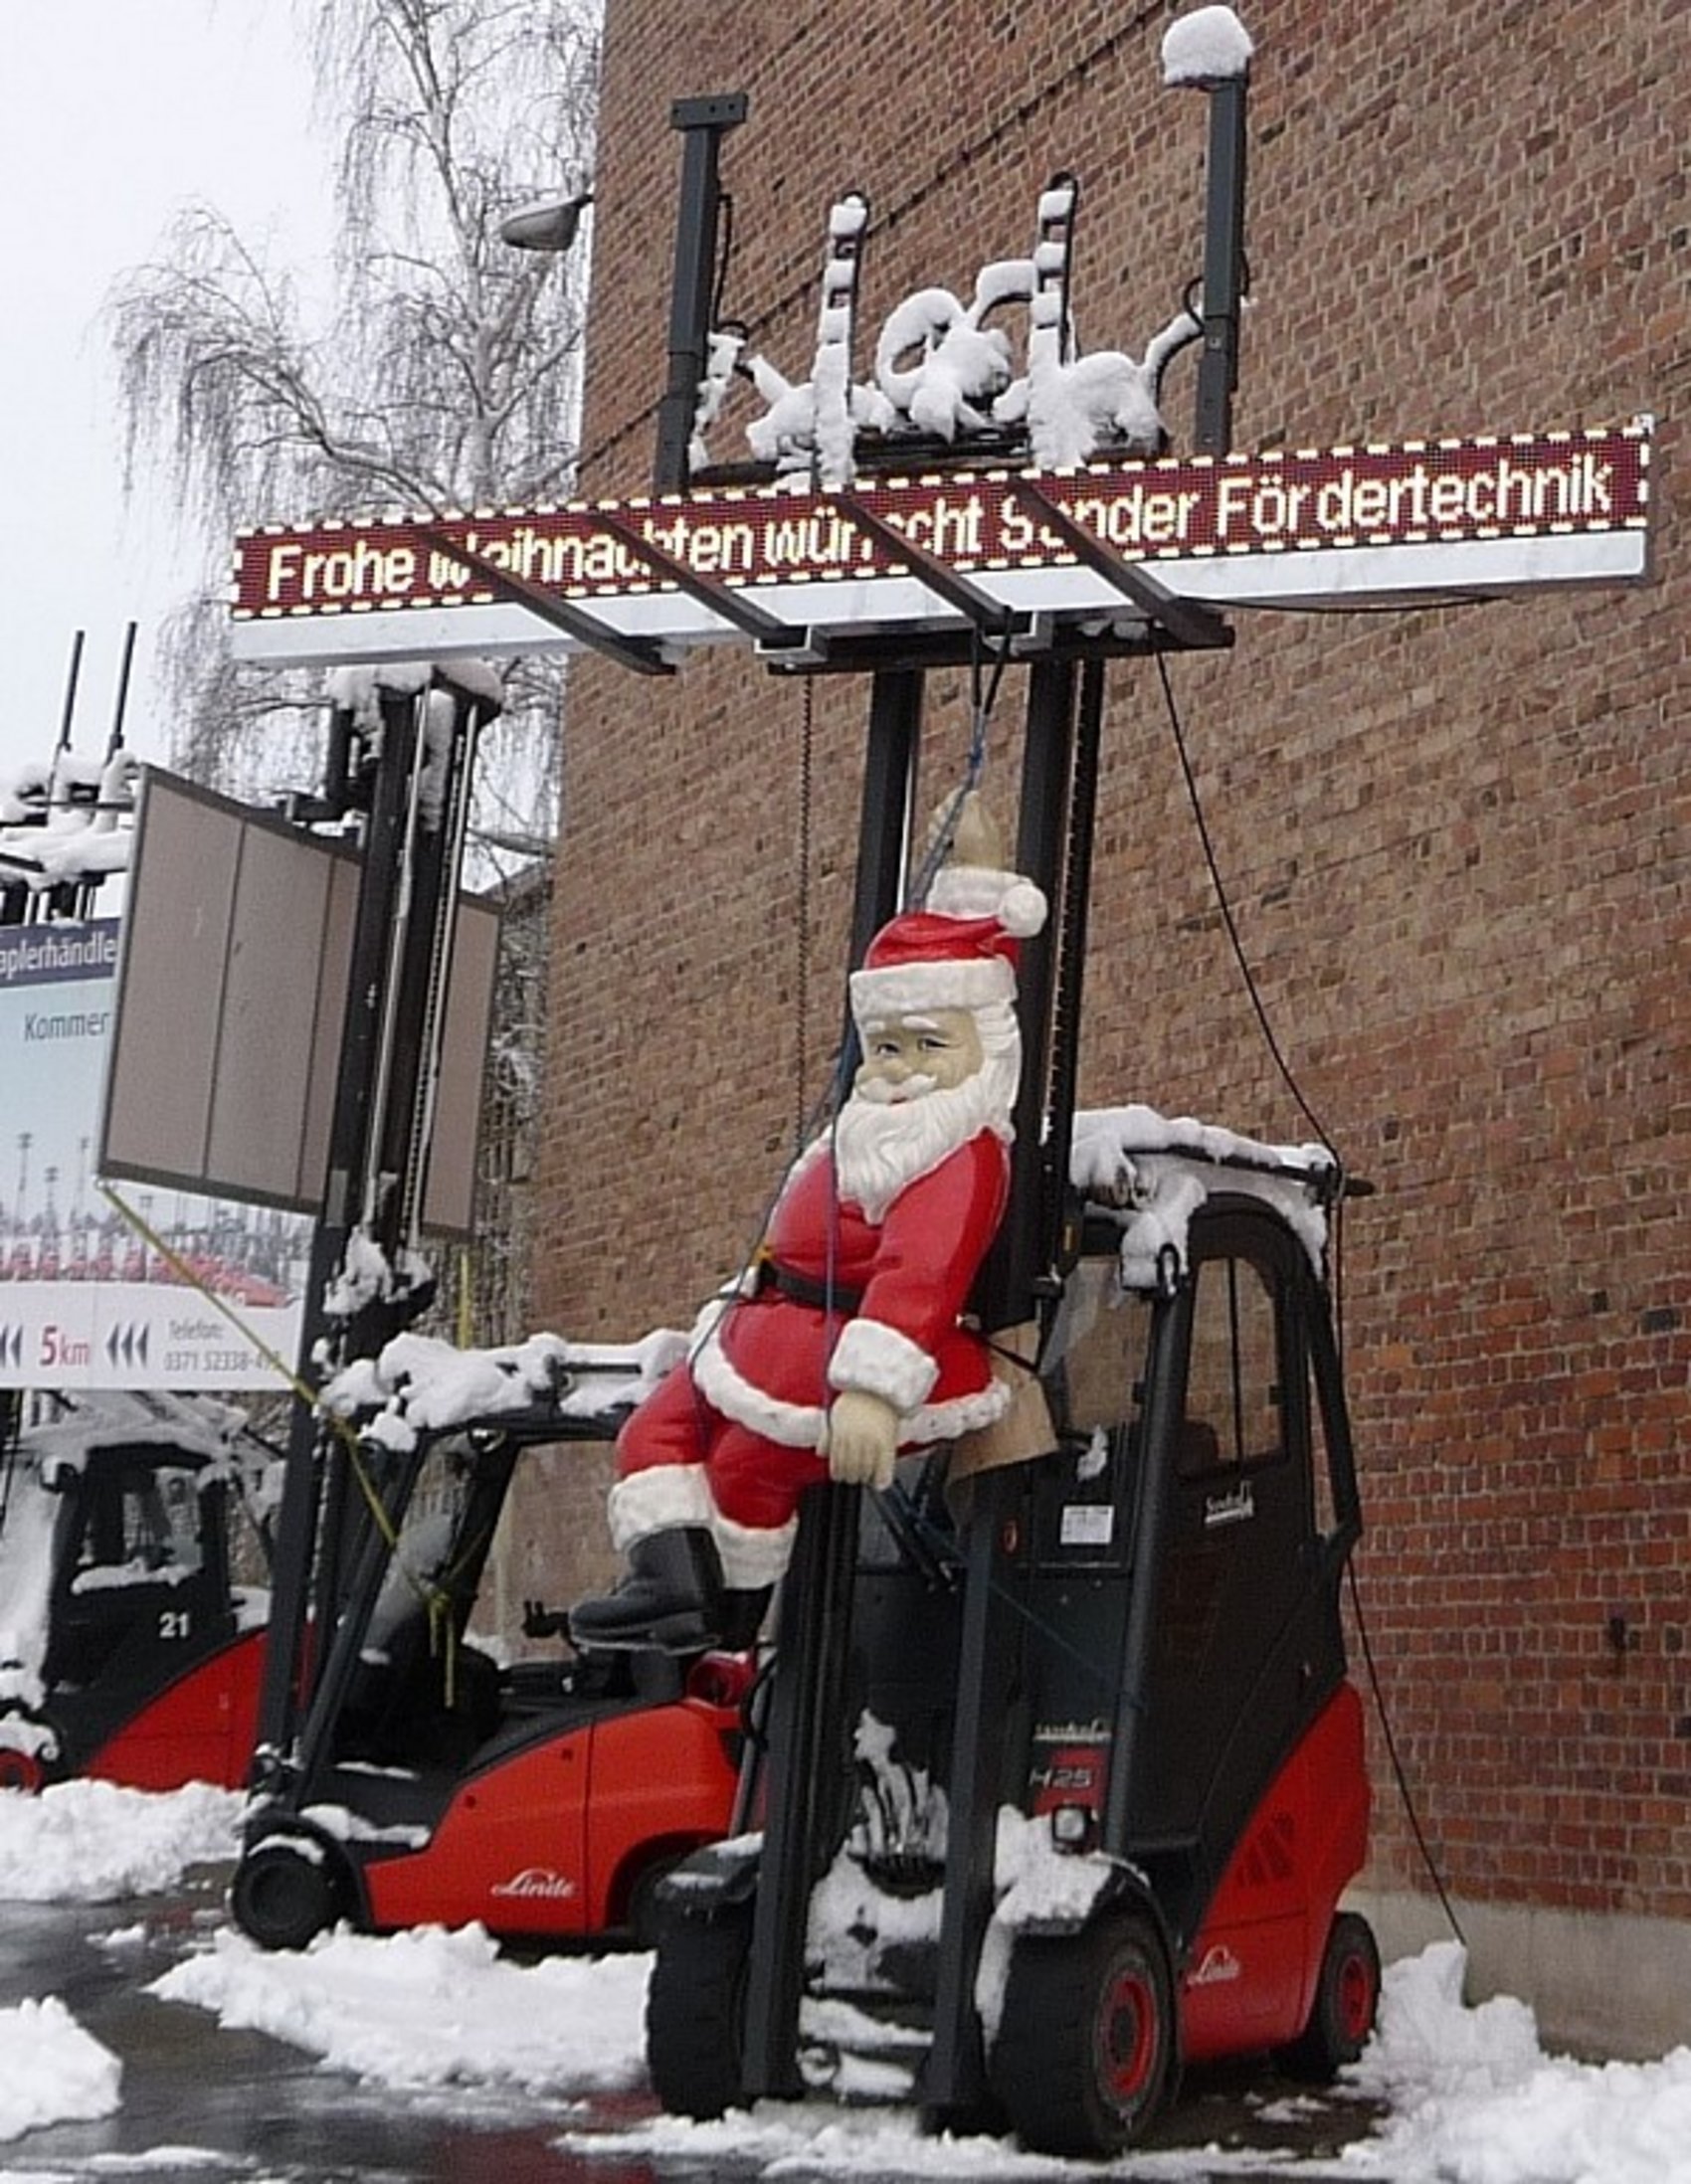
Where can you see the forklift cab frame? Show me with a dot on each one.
(1101, 1731)
(149, 1651)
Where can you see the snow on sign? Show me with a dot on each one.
(84, 1300)
(1425, 520)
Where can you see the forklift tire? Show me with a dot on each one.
(22, 1771)
(645, 1916)
(285, 1892)
(1086, 2042)
(1347, 1995)
(695, 2013)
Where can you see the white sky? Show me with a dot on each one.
(112, 115)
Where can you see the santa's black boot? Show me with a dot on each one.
(670, 1599)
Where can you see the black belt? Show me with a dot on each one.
(820, 1296)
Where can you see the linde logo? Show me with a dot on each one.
(534, 1881)
(1422, 492)
(1219, 1968)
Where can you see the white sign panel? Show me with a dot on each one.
(86, 1301)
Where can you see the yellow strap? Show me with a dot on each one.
(337, 1424)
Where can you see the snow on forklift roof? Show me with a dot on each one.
(1151, 1173)
(194, 1427)
(421, 1384)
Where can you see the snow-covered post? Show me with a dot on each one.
(1210, 49)
(830, 377)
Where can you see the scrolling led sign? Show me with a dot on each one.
(1191, 520)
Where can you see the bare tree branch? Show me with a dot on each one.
(445, 371)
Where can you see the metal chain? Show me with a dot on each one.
(801, 984)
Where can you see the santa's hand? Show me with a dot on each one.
(863, 1439)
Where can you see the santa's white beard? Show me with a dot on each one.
(880, 1149)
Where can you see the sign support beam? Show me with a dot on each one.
(562, 614)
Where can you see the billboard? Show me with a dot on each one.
(1425, 519)
(85, 1300)
(226, 1051)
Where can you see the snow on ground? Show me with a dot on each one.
(1464, 2095)
(94, 1843)
(1474, 2100)
(50, 2071)
(431, 2007)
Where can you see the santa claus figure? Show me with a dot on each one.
(845, 1343)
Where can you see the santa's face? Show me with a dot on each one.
(907, 1057)
(928, 1083)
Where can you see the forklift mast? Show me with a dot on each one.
(1021, 1281)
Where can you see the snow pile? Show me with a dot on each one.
(359, 689)
(432, 2007)
(50, 2071)
(1474, 2100)
(960, 366)
(94, 1843)
(813, 2139)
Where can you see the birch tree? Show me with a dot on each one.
(437, 367)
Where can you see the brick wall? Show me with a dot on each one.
(1455, 841)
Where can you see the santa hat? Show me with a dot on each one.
(957, 952)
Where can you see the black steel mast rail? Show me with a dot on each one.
(643, 658)
(988, 615)
(744, 614)
(1196, 628)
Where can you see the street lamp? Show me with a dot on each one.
(552, 225)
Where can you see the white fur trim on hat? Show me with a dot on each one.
(905, 988)
(881, 1362)
(753, 1555)
(977, 891)
(663, 1498)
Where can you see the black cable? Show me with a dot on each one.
(1315, 1123)
(1398, 1772)
(1225, 907)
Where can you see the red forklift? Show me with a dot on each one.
(430, 1781)
(405, 1769)
(132, 1601)
(1066, 1779)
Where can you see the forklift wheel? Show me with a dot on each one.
(1086, 2040)
(696, 2010)
(285, 1892)
(644, 1917)
(1347, 1994)
(21, 1770)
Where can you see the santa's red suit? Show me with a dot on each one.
(858, 1289)
(733, 1438)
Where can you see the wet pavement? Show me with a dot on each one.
(202, 2105)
